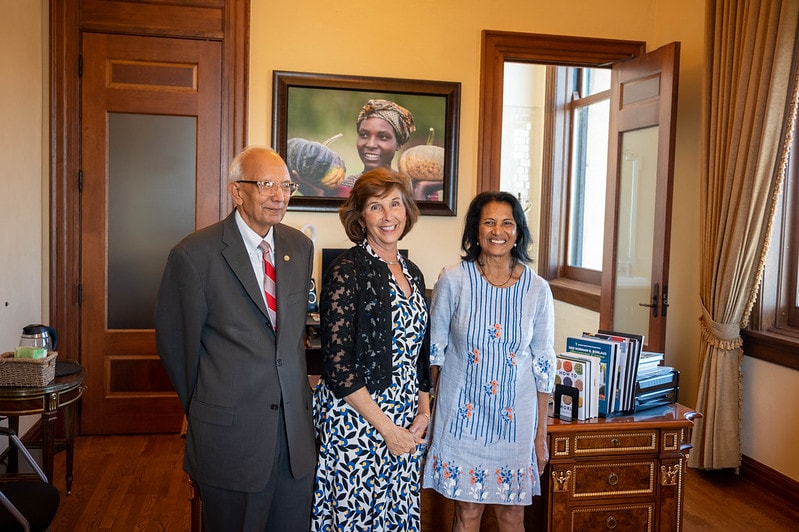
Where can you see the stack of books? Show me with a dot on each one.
(603, 374)
(659, 387)
(655, 384)
(649, 363)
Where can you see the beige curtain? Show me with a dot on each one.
(747, 89)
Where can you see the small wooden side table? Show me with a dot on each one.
(62, 393)
(623, 473)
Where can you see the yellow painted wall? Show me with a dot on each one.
(441, 41)
(24, 177)
(423, 39)
(770, 423)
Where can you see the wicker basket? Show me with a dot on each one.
(26, 371)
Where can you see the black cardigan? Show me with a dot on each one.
(356, 326)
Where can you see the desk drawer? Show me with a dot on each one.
(597, 480)
(610, 443)
(618, 518)
(604, 443)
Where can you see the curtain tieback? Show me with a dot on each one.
(720, 335)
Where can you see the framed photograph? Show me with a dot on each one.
(331, 128)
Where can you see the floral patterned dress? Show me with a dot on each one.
(360, 485)
(495, 350)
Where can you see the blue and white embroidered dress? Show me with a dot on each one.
(495, 349)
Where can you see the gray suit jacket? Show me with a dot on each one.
(229, 368)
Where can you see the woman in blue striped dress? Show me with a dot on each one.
(492, 334)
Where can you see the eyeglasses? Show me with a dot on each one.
(270, 187)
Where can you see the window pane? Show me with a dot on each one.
(594, 80)
(587, 186)
(524, 97)
(152, 168)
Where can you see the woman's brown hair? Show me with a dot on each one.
(376, 183)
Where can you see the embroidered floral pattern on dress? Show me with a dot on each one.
(494, 346)
(448, 477)
(509, 484)
(510, 359)
(477, 484)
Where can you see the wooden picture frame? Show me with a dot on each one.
(310, 109)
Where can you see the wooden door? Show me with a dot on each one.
(635, 270)
(150, 164)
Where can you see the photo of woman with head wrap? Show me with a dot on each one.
(383, 127)
(407, 126)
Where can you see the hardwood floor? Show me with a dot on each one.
(125, 483)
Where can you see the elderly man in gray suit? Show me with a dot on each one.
(230, 333)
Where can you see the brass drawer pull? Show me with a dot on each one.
(615, 442)
(613, 479)
(611, 522)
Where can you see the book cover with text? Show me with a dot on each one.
(593, 379)
(577, 374)
(606, 351)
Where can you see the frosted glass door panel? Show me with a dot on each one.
(636, 220)
(151, 199)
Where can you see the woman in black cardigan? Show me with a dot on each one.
(372, 407)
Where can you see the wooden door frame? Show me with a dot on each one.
(499, 47)
(228, 24)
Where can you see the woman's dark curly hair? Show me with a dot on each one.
(378, 182)
(470, 244)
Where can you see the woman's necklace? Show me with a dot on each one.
(389, 262)
(498, 285)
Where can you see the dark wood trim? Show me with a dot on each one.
(770, 480)
(500, 46)
(225, 20)
(577, 293)
(235, 91)
(770, 336)
(553, 192)
(772, 347)
(64, 166)
(199, 19)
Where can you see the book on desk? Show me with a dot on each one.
(631, 380)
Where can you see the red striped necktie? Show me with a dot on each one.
(269, 282)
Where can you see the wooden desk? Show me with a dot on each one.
(621, 473)
(61, 393)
